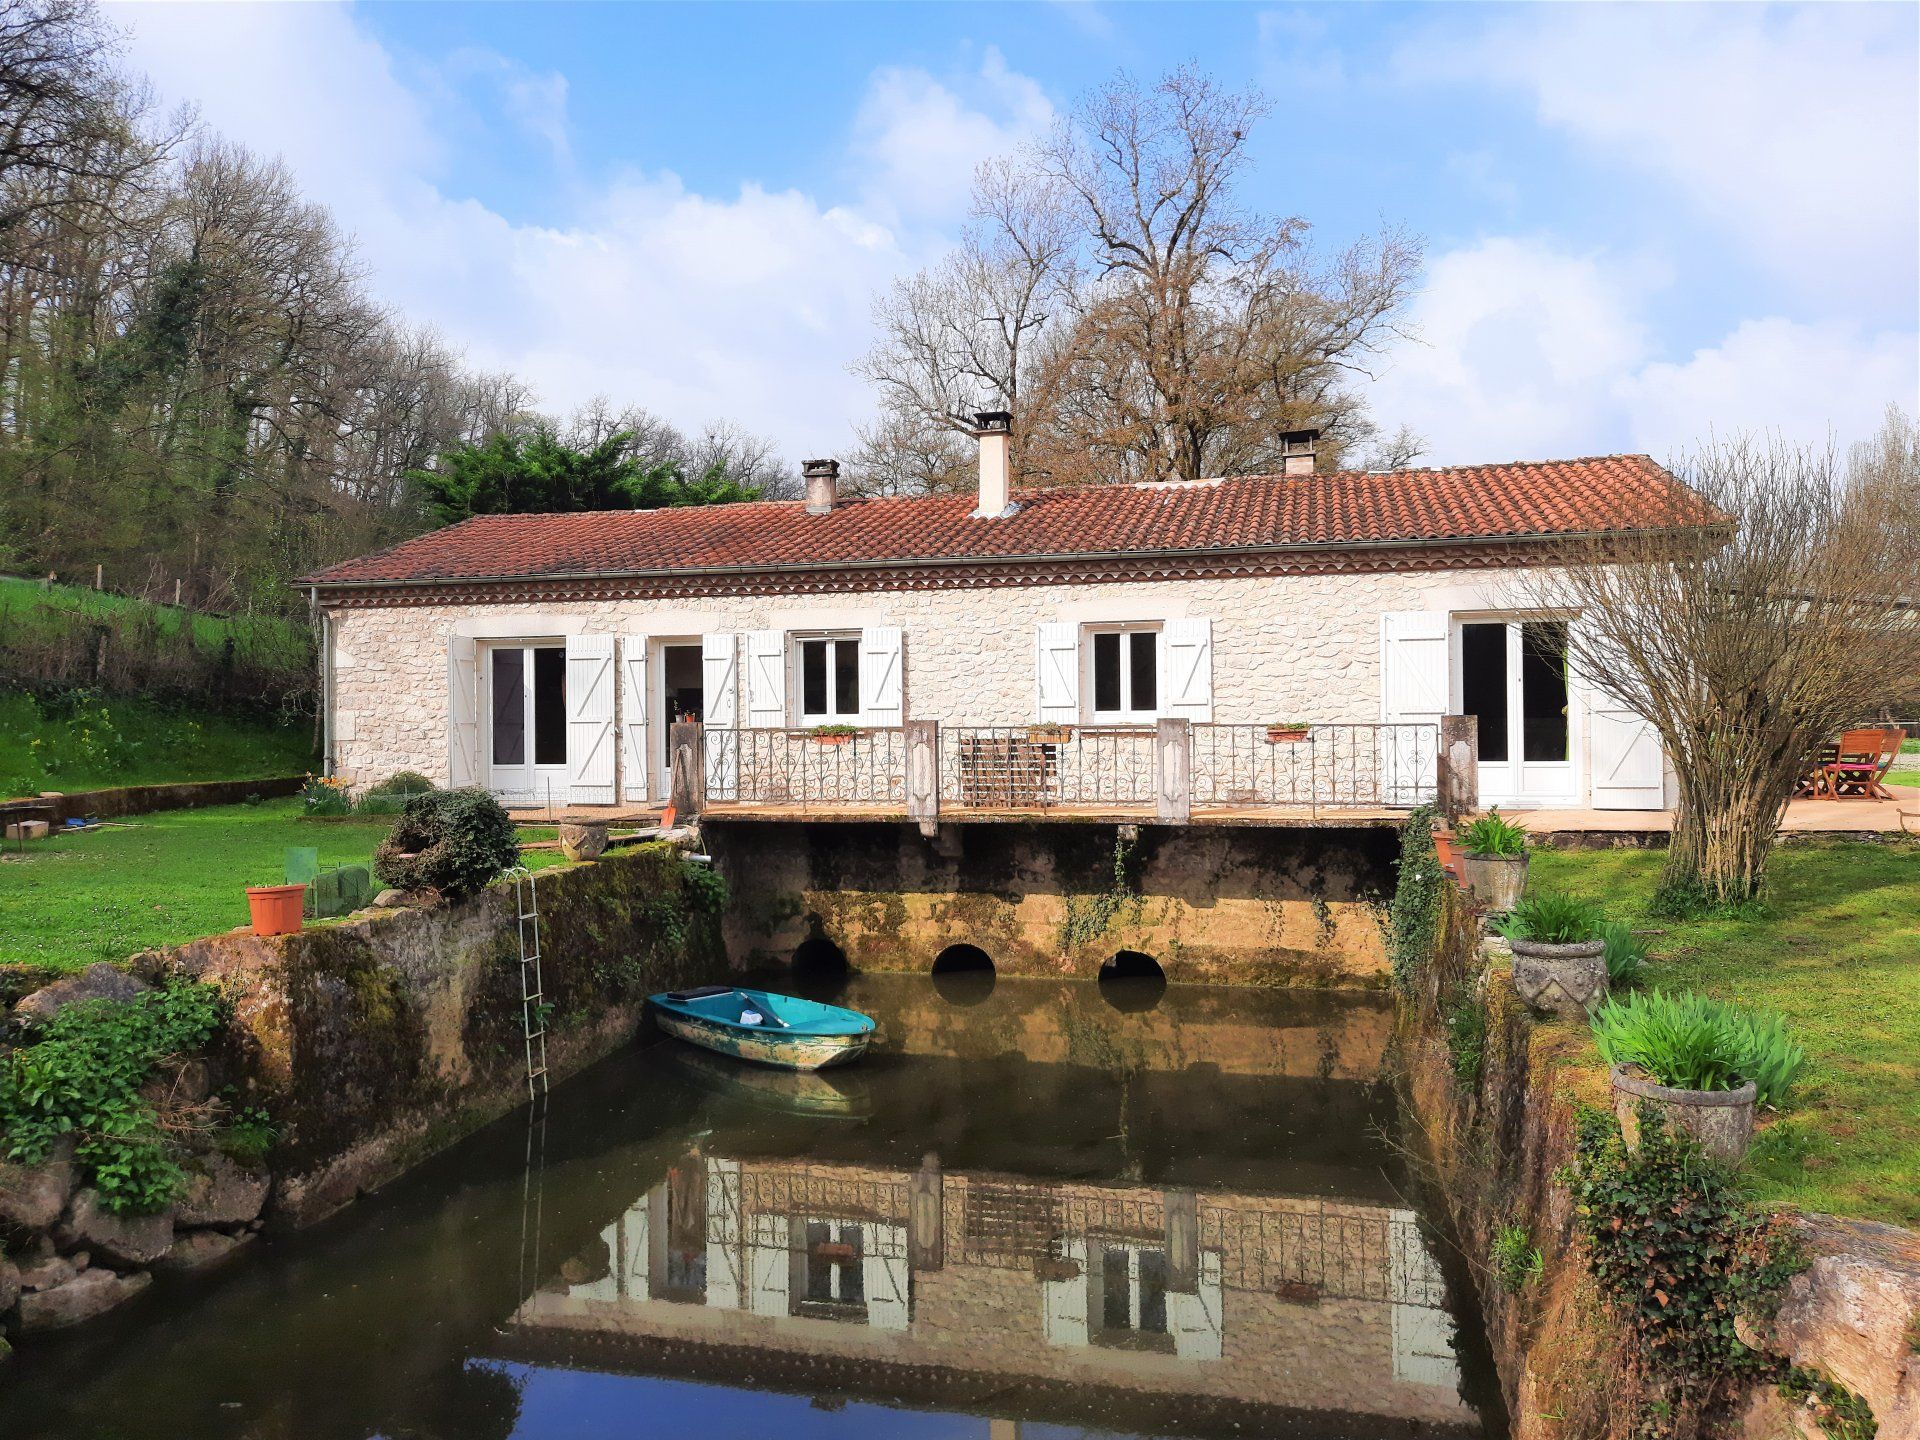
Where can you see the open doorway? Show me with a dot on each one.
(1513, 676)
(682, 697)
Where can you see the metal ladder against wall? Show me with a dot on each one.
(526, 904)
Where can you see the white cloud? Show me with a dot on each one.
(920, 140)
(747, 306)
(1529, 351)
(1795, 130)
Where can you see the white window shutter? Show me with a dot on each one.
(1065, 1317)
(1057, 670)
(1186, 670)
(1413, 688)
(766, 663)
(636, 758)
(882, 676)
(590, 741)
(720, 701)
(463, 712)
(1627, 765)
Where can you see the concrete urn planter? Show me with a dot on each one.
(1721, 1120)
(586, 841)
(1497, 881)
(1569, 980)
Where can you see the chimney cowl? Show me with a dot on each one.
(823, 485)
(1297, 448)
(993, 422)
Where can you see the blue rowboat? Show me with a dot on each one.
(767, 1029)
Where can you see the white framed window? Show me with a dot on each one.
(827, 669)
(1123, 674)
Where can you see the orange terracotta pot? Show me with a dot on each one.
(276, 909)
(1446, 850)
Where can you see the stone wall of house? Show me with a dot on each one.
(1284, 648)
(1226, 905)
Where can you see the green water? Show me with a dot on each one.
(1027, 1213)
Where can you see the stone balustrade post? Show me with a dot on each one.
(687, 786)
(1457, 766)
(923, 774)
(1173, 771)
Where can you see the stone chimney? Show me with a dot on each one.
(1296, 450)
(823, 485)
(995, 434)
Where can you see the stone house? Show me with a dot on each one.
(546, 656)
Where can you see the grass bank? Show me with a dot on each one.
(31, 609)
(1836, 950)
(162, 879)
(87, 742)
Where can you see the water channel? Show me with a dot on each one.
(1035, 1210)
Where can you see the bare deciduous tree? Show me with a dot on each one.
(1139, 322)
(1749, 650)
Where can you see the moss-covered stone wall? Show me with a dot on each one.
(378, 1040)
(1215, 904)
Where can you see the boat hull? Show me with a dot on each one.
(786, 1051)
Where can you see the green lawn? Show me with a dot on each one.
(162, 879)
(1836, 950)
(90, 744)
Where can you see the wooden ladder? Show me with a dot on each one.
(533, 1019)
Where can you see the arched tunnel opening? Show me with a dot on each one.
(963, 974)
(1132, 980)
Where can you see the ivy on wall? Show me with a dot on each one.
(1413, 918)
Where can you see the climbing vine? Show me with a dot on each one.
(1088, 918)
(1413, 919)
(1683, 1258)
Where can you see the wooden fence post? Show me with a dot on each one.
(1173, 771)
(923, 773)
(687, 771)
(1457, 766)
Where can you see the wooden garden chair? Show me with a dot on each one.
(1858, 770)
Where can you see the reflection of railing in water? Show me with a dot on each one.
(1330, 1250)
(827, 1192)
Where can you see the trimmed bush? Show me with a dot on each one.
(453, 841)
(402, 782)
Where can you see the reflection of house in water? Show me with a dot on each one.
(918, 1282)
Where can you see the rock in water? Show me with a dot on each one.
(96, 982)
(200, 1250)
(32, 1197)
(90, 1293)
(219, 1192)
(119, 1239)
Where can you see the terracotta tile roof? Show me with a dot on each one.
(1261, 512)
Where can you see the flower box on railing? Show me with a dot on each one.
(1050, 734)
(832, 734)
(1287, 734)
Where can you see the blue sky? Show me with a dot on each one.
(1643, 222)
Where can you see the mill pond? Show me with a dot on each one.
(1036, 1209)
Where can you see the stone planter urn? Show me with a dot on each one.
(1569, 980)
(1497, 881)
(1721, 1120)
(584, 841)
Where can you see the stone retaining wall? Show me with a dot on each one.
(1494, 1148)
(372, 1044)
(146, 799)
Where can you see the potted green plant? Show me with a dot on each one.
(1288, 732)
(832, 734)
(1559, 954)
(1700, 1063)
(1494, 860)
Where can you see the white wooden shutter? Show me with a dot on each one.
(1064, 1318)
(725, 1277)
(590, 741)
(766, 663)
(769, 1265)
(882, 676)
(636, 758)
(1627, 764)
(1186, 670)
(1057, 668)
(720, 712)
(636, 1279)
(1413, 688)
(463, 712)
(1194, 1320)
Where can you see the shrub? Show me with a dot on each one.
(1552, 920)
(453, 841)
(1493, 836)
(324, 795)
(1516, 1259)
(1413, 917)
(83, 1078)
(1694, 1042)
(1626, 953)
(402, 782)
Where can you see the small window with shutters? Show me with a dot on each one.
(1123, 674)
(828, 669)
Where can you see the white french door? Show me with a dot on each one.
(526, 709)
(1512, 674)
